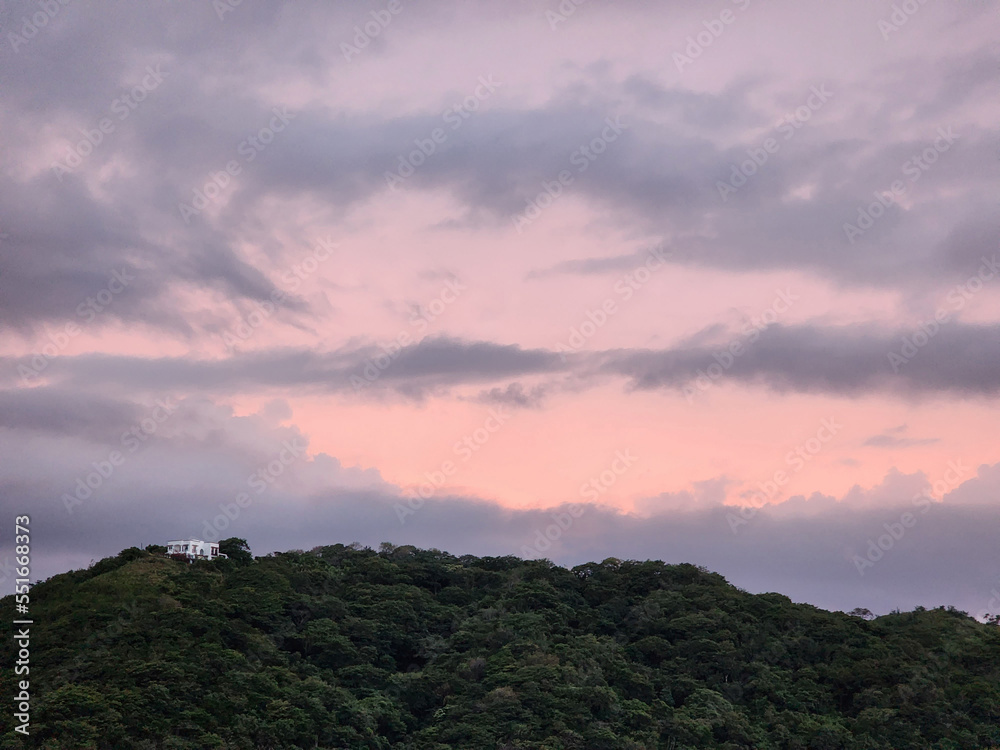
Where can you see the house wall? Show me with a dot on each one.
(195, 548)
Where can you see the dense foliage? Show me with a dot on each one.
(344, 647)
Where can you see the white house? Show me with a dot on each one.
(194, 549)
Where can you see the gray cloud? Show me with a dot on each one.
(64, 238)
(961, 359)
(413, 371)
(66, 412)
(611, 264)
(893, 438)
(183, 481)
(516, 395)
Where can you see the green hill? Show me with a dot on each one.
(343, 647)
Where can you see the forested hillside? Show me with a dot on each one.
(343, 647)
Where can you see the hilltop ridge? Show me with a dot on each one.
(348, 647)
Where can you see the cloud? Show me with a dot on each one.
(70, 236)
(434, 363)
(66, 412)
(182, 481)
(704, 494)
(514, 395)
(891, 439)
(963, 359)
(615, 263)
(119, 209)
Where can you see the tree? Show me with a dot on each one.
(236, 549)
(349, 648)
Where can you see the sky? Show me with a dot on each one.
(714, 283)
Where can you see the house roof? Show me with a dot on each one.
(188, 541)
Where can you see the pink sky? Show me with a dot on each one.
(486, 302)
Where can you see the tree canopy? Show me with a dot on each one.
(348, 647)
(236, 549)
